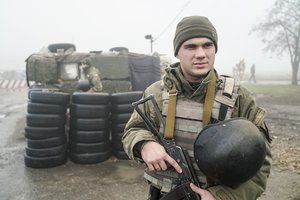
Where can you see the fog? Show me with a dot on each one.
(27, 26)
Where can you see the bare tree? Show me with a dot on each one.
(280, 31)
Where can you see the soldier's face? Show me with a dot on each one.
(83, 66)
(197, 57)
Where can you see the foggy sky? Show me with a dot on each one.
(27, 26)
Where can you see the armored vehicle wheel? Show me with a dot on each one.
(65, 46)
(119, 49)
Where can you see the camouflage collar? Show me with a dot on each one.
(174, 75)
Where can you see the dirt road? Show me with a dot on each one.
(116, 179)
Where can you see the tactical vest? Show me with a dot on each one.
(188, 124)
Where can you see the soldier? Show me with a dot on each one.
(201, 97)
(252, 77)
(92, 74)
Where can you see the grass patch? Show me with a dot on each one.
(275, 90)
(276, 94)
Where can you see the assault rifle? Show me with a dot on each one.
(182, 191)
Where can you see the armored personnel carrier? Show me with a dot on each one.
(93, 123)
(56, 67)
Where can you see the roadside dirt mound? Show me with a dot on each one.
(283, 120)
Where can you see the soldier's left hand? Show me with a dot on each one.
(204, 194)
(91, 91)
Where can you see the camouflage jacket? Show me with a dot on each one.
(93, 75)
(135, 130)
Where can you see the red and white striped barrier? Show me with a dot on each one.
(13, 84)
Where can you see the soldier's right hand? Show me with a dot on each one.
(155, 156)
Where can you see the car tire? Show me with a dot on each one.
(117, 128)
(46, 152)
(46, 143)
(90, 158)
(36, 133)
(48, 97)
(90, 98)
(120, 118)
(91, 124)
(88, 136)
(98, 147)
(126, 97)
(45, 162)
(65, 46)
(45, 120)
(89, 111)
(43, 108)
(120, 155)
(121, 108)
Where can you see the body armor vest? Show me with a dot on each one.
(188, 124)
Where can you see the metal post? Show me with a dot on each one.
(149, 37)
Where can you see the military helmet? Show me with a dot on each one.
(84, 85)
(230, 152)
(86, 61)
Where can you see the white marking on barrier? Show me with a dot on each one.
(17, 84)
(4, 83)
(13, 85)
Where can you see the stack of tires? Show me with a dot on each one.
(121, 110)
(45, 129)
(89, 139)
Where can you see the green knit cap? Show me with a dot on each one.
(191, 27)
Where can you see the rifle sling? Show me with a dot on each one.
(209, 99)
(170, 120)
(208, 104)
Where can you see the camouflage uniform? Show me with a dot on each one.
(245, 106)
(93, 75)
